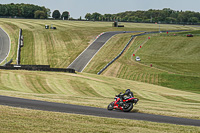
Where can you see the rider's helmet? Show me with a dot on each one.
(128, 91)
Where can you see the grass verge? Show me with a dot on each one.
(25, 120)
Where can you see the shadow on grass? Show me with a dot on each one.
(132, 111)
(135, 111)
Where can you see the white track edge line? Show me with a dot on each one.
(97, 52)
(85, 50)
(9, 45)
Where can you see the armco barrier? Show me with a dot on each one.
(116, 57)
(19, 46)
(8, 63)
(36, 68)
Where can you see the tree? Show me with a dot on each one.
(88, 16)
(48, 11)
(56, 14)
(39, 14)
(107, 16)
(13, 10)
(165, 15)
(193, 19)
(65, 15)
(96, 16)
(22, 10)
(3, 10)
(170, 20)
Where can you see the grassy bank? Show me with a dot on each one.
(175, 60)
(14, 120)
(60, 47)
(98, 91)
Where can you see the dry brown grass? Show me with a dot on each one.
(14, 120)
(98, 91)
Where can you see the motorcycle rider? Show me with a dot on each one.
(128, 93)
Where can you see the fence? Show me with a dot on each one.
(9, 62)
(116, 57)
(20, 42)
(36, 68)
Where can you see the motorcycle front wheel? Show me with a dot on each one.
(127, 107)
(110, 106)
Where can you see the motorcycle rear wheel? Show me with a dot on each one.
(127, 107)
(110, 106)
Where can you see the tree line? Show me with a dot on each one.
(24, 11)
(30, 11)
(57, 15)
(165, 15)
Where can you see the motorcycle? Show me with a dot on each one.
(127, 104)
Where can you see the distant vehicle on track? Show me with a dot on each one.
(137, 58)
(189, 35)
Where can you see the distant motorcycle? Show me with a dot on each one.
(126, 106)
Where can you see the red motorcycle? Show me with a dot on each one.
(127, 104)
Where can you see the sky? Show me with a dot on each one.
(79, 8)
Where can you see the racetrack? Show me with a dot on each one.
(68, 108)
(76, 109)
(84, 58)
(4, 45)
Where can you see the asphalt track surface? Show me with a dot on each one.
(4, 45)
(83, 110)
(84, 58)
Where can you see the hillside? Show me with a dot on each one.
(175, 60)
(98, 91)
(155, 87)
(60, 47)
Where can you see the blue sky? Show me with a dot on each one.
(79, 8)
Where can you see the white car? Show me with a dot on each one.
(137, 58)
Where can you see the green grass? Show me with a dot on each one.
(175, 54)
(98, 91)
(14, 120)
(178, 54)
(196, 32)
(181, 82)
(175, 61)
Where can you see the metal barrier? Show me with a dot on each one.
(9, 62)
(36, 68)
(117, 56)
(20, 41)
